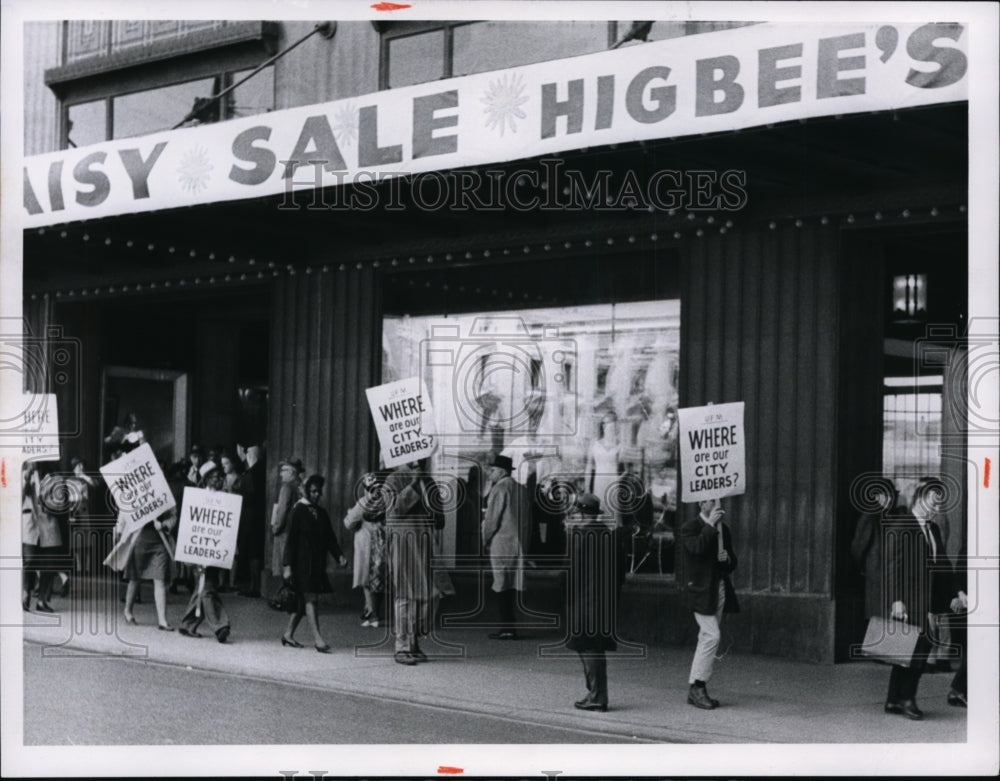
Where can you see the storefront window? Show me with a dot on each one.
(582, 398)
(87, 123)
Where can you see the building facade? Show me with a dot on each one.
(599, 222)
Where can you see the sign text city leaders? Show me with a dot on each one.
(138, 487)
(399, 409)
(209, 522)
(713, 451)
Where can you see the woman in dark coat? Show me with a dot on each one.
(310, 538)
(597, 569)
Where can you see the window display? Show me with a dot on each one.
(583, 399)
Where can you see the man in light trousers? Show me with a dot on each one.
(708, 558)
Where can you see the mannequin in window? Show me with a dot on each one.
(603, 458)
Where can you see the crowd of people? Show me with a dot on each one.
(397, 512)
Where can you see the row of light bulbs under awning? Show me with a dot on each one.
(258, 271)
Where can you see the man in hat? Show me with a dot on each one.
(506, 534)
(597, 570)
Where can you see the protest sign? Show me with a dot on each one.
(138, 486)
(398, 409)
(713, 451)
(37, 437)
(208, 526)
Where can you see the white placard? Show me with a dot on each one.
(206, 533)
(713, 452)
(37, 436)
(399, 409)
(138, 486)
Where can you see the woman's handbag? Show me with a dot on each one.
(286, 599)
(890, 641)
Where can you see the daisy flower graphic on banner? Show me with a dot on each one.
(345, 124)
(503, 100)
(194, 170)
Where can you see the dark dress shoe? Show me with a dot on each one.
(911, 711)
(189, 632)
(957, 699)
(324, 649)
(893, 707)
(290, 642)
(222, 635)
(165, 627)
(44, 607)
(698, 697)
(419, 655)
(589, 705)
(404, 657)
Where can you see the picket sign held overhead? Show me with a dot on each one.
(399, 410)
(713, 452)
(209, 523)
(707, 83)
(138, 487)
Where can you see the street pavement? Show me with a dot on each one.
(142, 703)
(532, 680)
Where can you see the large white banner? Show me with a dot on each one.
(399, 410)
(138, 486)
(713, 452)
(682, 86)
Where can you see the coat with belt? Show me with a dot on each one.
(507, 532)
(923, 582)
(410, 521)
(703, 570)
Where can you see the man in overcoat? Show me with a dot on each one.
(919, 581)
(506, 535)
(708, 559)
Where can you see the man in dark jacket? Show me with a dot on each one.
(597, 569)
(708, 557)
(919, 581)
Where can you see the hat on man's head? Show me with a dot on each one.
(588, 504)
(504, 462)
(207, 468)
(315, 480)
(294, 463)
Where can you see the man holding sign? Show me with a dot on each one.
(713, 465)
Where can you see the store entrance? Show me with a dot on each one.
(186, 371)
(903, 391)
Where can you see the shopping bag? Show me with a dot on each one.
(890, 641)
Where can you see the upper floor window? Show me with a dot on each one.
(417, 52)
(162, 108)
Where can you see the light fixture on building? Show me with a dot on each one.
(909, 297)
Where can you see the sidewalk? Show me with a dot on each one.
(531, 680)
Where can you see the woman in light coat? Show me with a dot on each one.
(367, 520)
